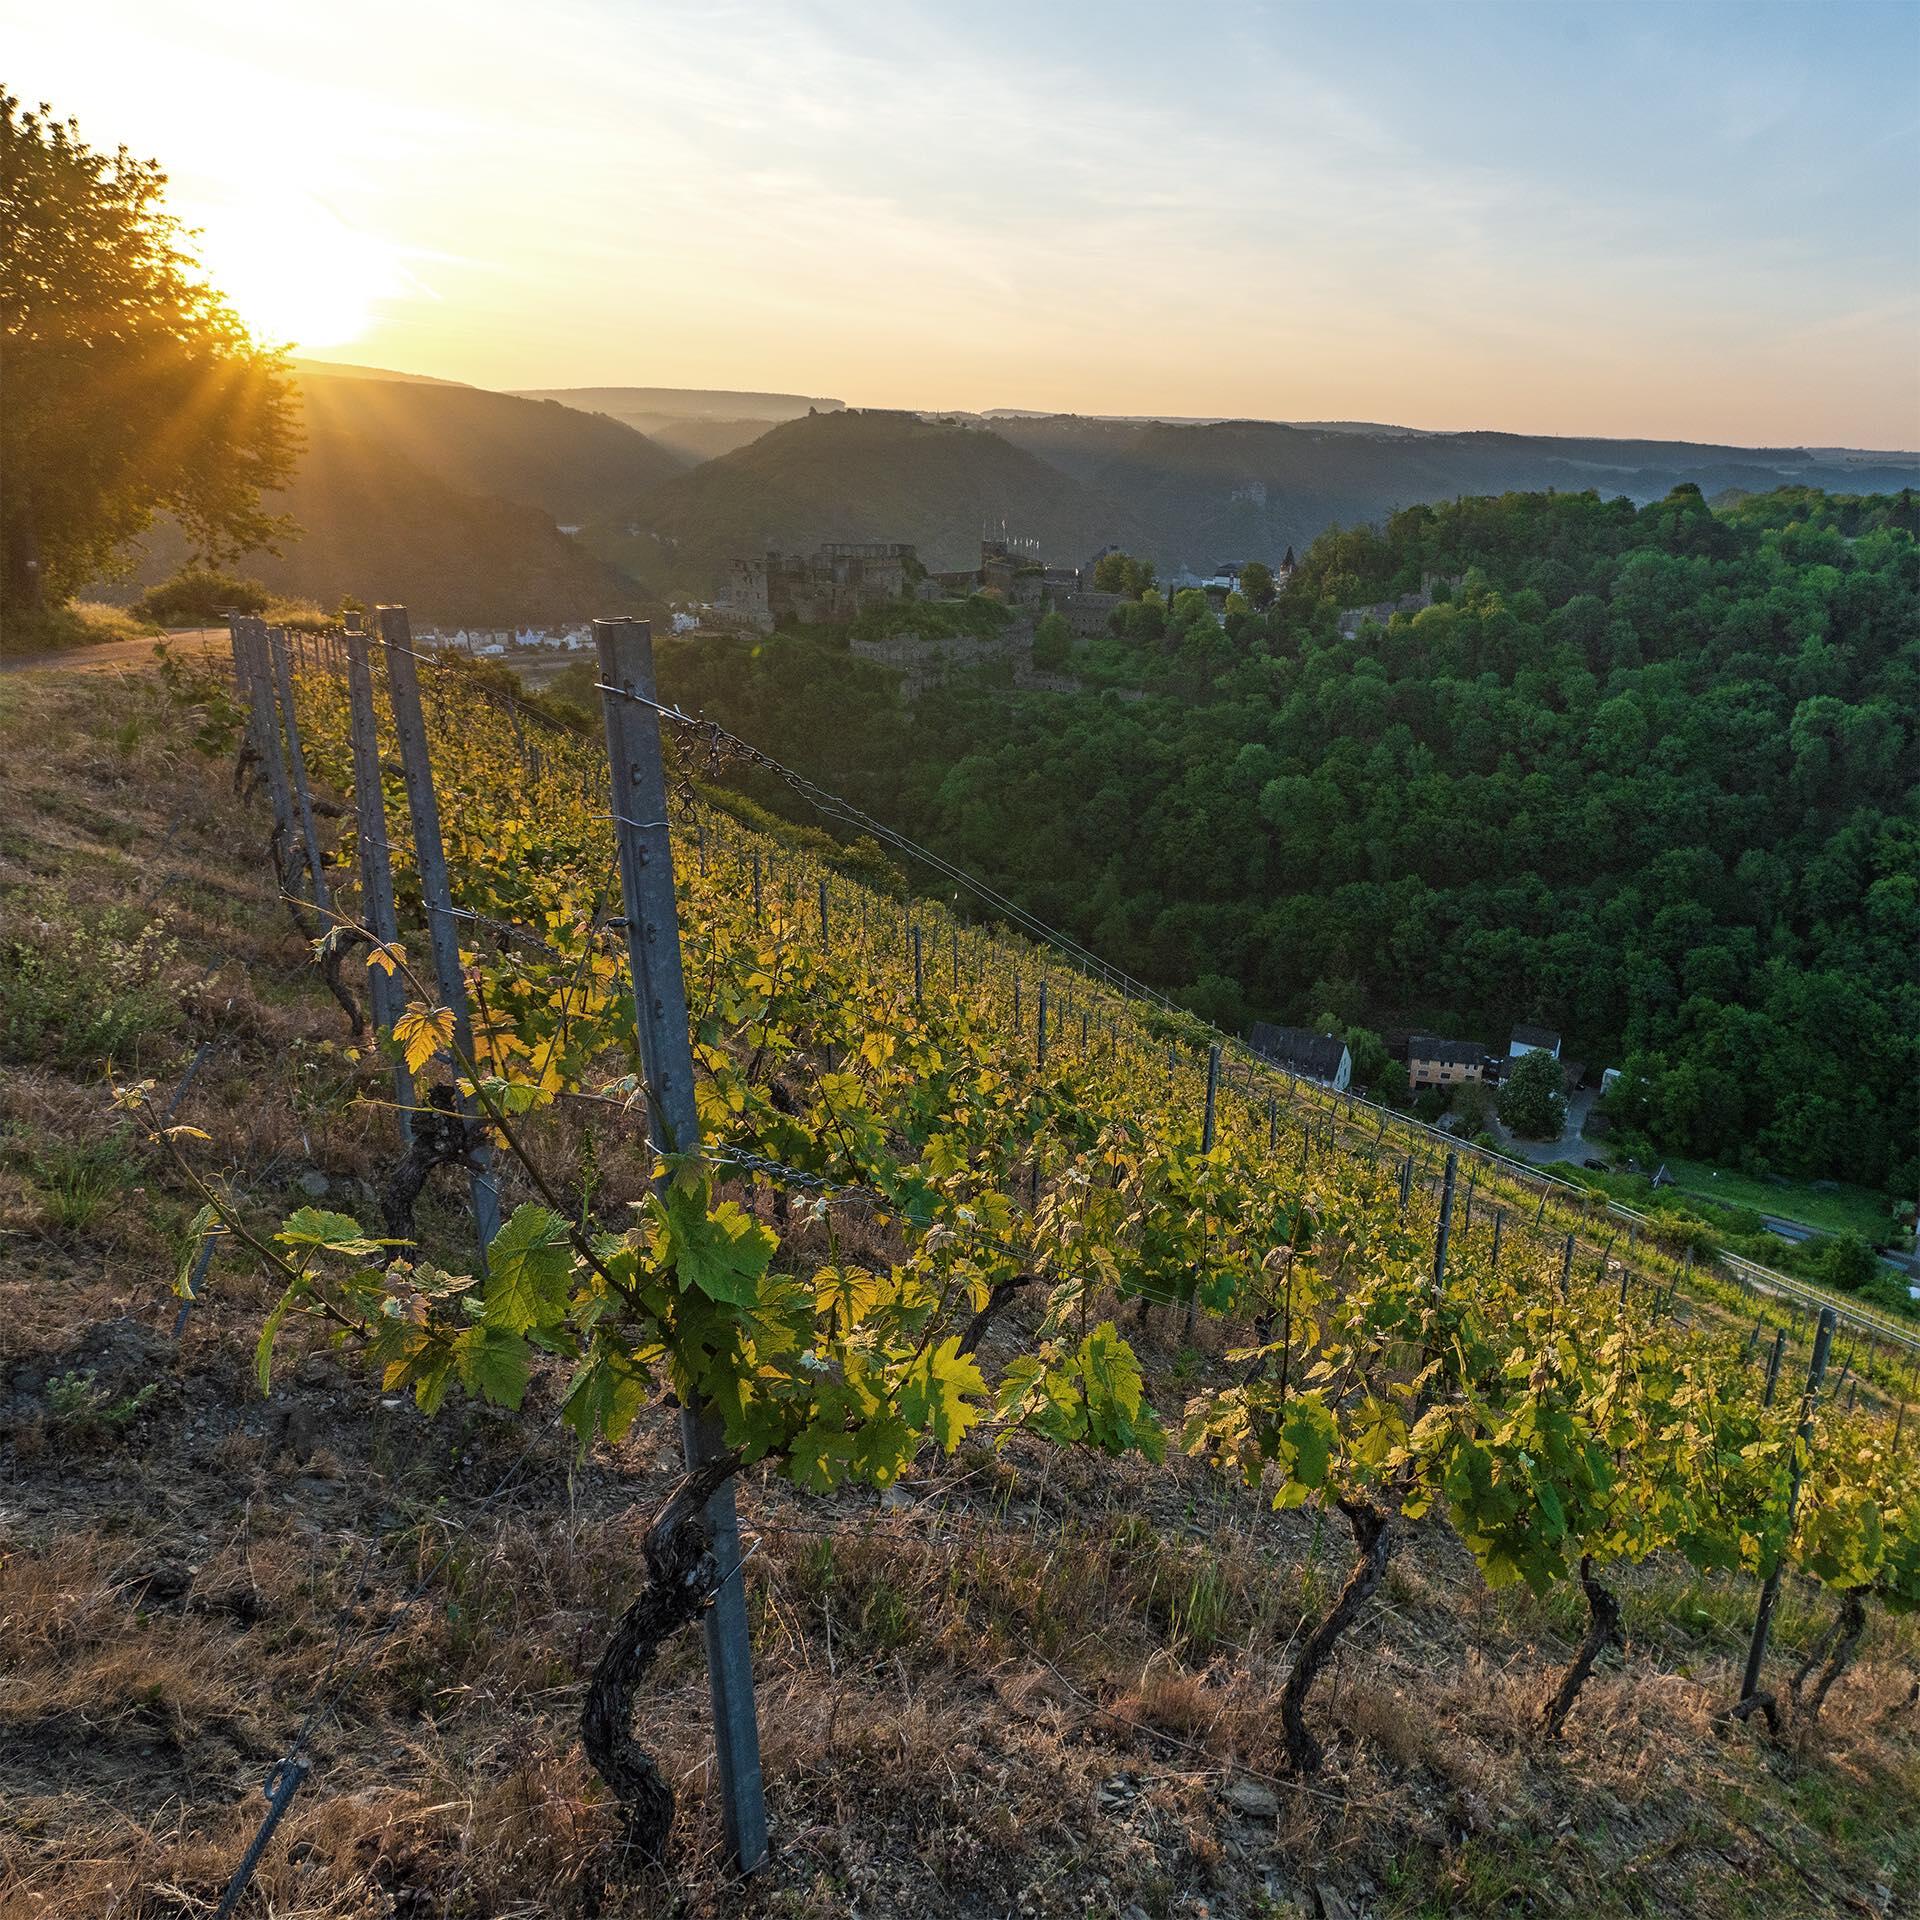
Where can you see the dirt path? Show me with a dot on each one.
(116, 653)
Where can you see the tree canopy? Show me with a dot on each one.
(133, 389)
(1531, 1102)
(1647, 775)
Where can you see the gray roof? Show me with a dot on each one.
(1525, 1036)
(1446, 1053)
(1317, 1056)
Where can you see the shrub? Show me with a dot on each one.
(72, 991)
(1847, 1262)
(199, 597)
(81, 623)
(300, 616)
(1473, 1103)
(1052, 644)
(1890, 1295)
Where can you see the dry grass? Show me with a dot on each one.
(1024, 1685)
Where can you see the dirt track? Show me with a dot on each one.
(115, 653)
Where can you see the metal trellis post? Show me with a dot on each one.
(660, 1009)
(429, 857)
(310, 838)
(1770, 1587)
(1446, 1224)
(376, 866)
(263, 706)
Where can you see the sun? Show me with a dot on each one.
(297, 276)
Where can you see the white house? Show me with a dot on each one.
(1527, 1040)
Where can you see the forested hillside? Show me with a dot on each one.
(856, 476)
(1187, 496)
(1236, 490)
(1646, 774)
(370, 520)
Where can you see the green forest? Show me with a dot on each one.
(1647, 775)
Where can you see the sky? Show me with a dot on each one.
(1697, 219)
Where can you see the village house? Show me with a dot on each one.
(1434, 1062)
(502, 640)
(1528, 1040)
(1305, 1054)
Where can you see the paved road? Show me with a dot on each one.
(115, 653)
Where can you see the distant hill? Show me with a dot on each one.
(697, 423)
(567, 463)
(696, 440)
(686, 403)
(446, 497)
(857, 476)
(1248, 489)
(341, 370)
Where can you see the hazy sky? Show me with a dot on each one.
(1679, 219)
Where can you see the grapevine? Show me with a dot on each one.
(1560, 1418)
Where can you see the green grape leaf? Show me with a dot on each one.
(493, 1363)
(1308, 1435)
(845, 1294)
(941, 1392)
(263, 1348)
(820, 1459)
(721, 1253)
(529, 1271)
(337, 1232)
(603, 1397)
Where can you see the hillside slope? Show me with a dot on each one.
(1617, 789)
(860, 476)
(374, 524)
(446, 497)
(537, 453)
(308, 368)
(1031, 1681)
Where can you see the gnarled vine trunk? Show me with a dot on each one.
(1001, 1292)
(682, 1579)
(1832, 1653)
(441, 1138)
(1373, 1542)
(1603, 1631)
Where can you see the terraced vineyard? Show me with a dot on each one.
(942, 1173)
